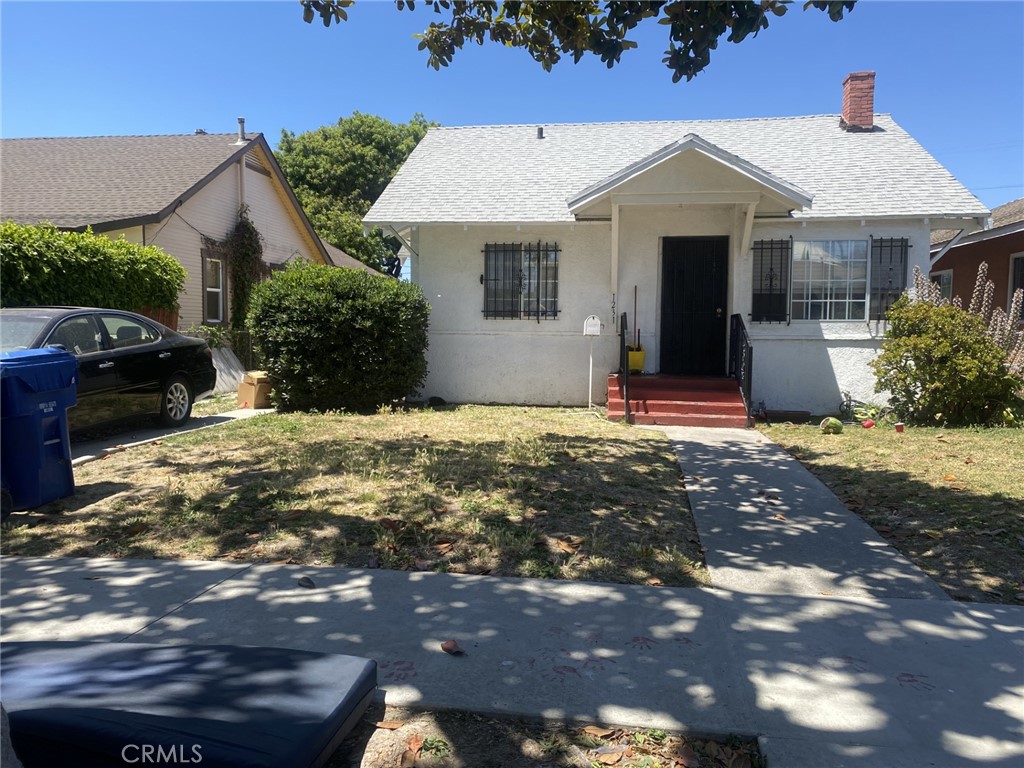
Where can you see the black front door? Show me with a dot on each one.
(694, 272)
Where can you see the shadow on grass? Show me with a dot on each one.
(548, 505)
(969, 542)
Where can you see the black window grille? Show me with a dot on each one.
(770, 301)
(888, 273)
(521, 280)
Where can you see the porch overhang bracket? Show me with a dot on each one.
(405, 243)
(748, 228)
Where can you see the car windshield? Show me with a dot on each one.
(19, 331)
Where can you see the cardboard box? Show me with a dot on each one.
(254, 390)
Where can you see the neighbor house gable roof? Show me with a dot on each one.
(506, 174)
(339, 258)
(1005, 220)
(116, 182)
(690, 142)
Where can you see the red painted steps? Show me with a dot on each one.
(678, 401)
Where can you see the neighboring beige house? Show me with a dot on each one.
(803, 230)
(167, 191)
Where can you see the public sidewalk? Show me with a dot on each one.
(830, 681)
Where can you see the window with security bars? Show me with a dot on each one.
(770, 301)
(888, 273)
(521, 281)
(829, 279)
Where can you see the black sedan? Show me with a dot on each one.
(128, 365)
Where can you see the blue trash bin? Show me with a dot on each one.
(37, 386)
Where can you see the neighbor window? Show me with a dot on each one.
(830, 279)
(944, 280)
(521, 280)
(213, 288)
(1016, 273)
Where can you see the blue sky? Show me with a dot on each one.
(952, 74)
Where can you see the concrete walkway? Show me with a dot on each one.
(771, 527)
(83, 451)
(869, 675)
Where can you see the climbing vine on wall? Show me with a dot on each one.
(244, 250)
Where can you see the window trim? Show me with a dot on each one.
(207, 257)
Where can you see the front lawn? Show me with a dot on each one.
(511, 491)
(951, 500)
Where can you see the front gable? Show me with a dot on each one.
(690, 171)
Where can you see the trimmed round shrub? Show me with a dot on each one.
(940, 367)
(41, 265)
(339, 339)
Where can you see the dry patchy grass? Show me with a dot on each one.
(452, 739)
(952, 500)
(511, 491)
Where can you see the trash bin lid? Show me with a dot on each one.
(35, 370)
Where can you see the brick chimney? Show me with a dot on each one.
(858, 102)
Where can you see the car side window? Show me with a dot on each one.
(127, 332)
(78, 335)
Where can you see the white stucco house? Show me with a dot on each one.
(169, 191)
(806, 228)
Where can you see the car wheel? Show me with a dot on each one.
(175, 402)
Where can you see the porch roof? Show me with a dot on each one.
(791, 194)
(507, 174)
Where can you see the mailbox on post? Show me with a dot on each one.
(591, 328)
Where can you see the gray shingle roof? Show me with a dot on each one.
(504, 173)
(74, 182)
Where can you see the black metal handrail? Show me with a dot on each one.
(741, 362)
(624, 364)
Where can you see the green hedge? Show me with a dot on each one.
(40, 265)
(339, 339)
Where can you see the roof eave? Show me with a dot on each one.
(985, 234)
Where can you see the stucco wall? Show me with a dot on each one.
(804, 365)
(476, 359)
